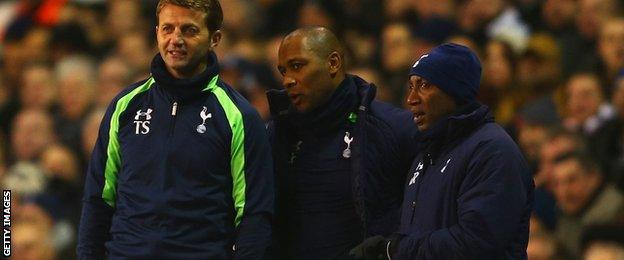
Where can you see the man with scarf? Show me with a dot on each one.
(340, 156)
(182, 166)
(469, 193)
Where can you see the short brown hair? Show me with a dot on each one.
(212, 8)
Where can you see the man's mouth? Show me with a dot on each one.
(295, 99)
(176, 53)
(418, 117)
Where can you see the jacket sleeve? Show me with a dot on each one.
(96, 213)
(493, 207)
(254, 230)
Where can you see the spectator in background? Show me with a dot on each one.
(584, 197)
(586, 109)
(557, 143)
(68, 39)
(497, 89)
(542, 246)
(603, 242)
(611, 51)
(114, 73)
(397, 53)
(32, 237)
(77, 81)
(136, 51)
(38, 89)
(32, 132)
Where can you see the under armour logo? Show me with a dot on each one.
(418, 61)
(142, 126)
(416, 173)
(146, 114)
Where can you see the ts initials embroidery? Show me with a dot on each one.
(142, 121)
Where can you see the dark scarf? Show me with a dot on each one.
(330, 115)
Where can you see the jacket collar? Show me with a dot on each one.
(455, 126)
(353, 92)
(184, 89)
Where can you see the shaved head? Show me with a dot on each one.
(318, 40)
(310, 61)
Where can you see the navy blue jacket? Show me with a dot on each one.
(468, 195)
(382, 149)
(181, 170)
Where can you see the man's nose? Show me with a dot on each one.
(412, 97)
(288, 82)
(177, 37)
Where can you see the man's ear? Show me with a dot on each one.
(335, 63)
(215, 38)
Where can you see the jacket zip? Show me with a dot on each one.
(174, 112)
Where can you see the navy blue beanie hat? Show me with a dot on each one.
(454, 68)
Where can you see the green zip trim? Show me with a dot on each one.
(113, 160)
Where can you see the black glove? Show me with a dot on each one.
(373, 248)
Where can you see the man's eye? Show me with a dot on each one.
(192, 31)
(167, 29)
(296, 66)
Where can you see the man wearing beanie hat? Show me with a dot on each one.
(469, 192)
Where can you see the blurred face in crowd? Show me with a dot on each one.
(31, 133)
(498, 65)
(428, 103)
(306, 77)
(590, 15)
(573, 185)
(531, 137)
(549, 151)
(32, 242)
(76, 93)
(312, 14)
(611, 43)
(584, 97)
(38, 87)
(59, 161)
(397, 47)
(184, 40)
(604, 251)
(32, 234)
(558, 13)
(541, 246)
(113, 76)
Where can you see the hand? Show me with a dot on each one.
(372, 248)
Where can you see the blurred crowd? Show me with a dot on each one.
(552, 74)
